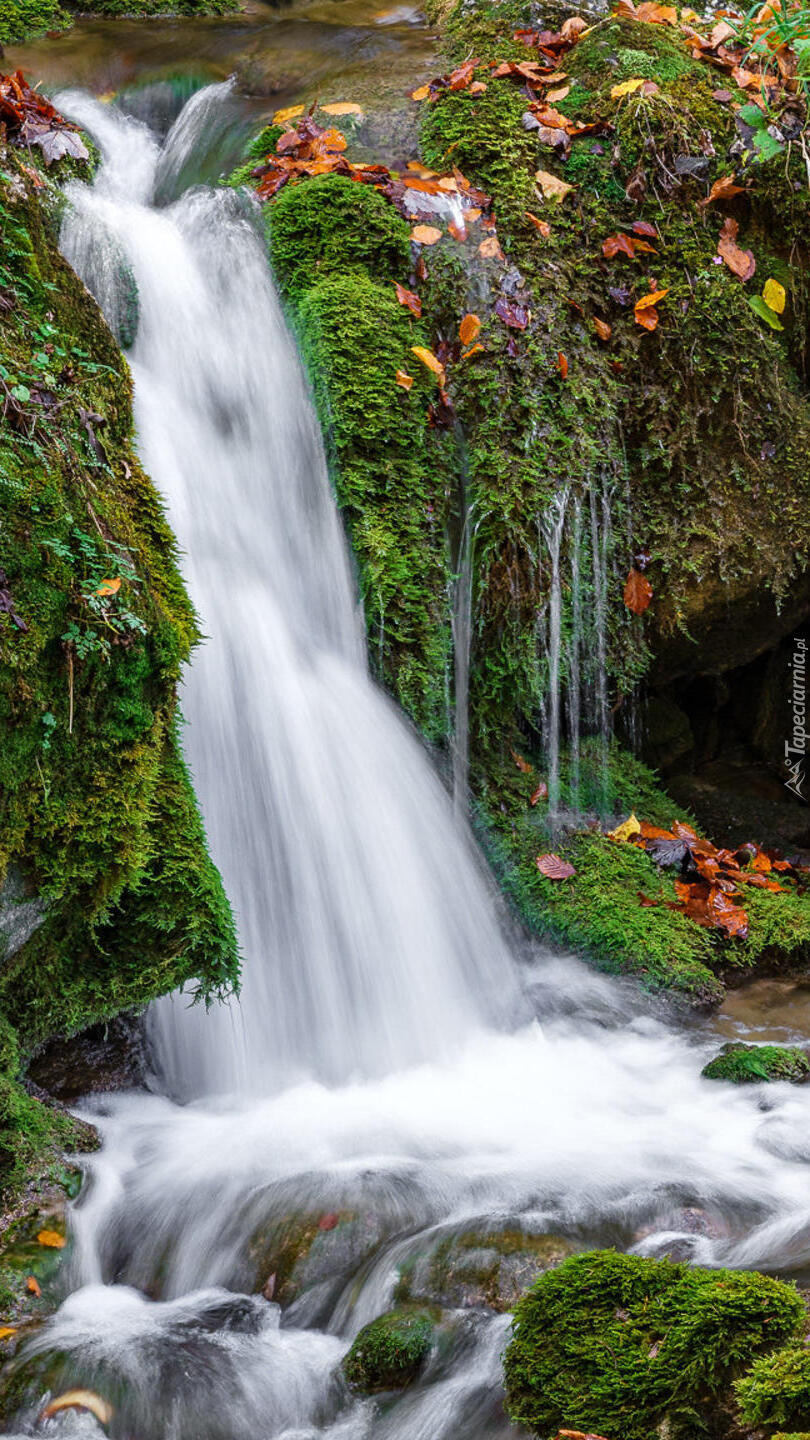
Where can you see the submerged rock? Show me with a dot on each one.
(752, 1064)
(389, 1353)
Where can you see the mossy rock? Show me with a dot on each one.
(389, 1353)
(622, 1346)
(25, 19)
(332, 225)
(480, 1269)
(776, 1390)
(752, 1064)
(307, 1251)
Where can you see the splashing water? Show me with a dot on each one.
(368, 1090)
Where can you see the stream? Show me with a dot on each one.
(402, 1069)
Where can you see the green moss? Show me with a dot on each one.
(389, 1353)
(621, 1346)
(28, 18)
(751, 1064)
(96, 807)
(776, 1391)
(333, 226)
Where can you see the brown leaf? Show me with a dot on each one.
(32, 1285)
(540, 793)
(551, 186)
(656, 14)
(643, 227)
(409, 299)
(559, 94)
(404, 379)
(572, 28)
(469, 329)
(638, 592)
(425, 234)
(523, 765)
(511, 313)
(722, 189)
(629, 245)
(554, 868)
(562, 365)
(421, 93)
(490, 248)
(603, 330)
(740, 261)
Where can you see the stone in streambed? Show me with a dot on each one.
(389, 1353)
(480, 1269)
(755, 1064)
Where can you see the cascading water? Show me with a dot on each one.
(385, 1111)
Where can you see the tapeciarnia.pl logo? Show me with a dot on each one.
(796, 746)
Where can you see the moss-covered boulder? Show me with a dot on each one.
(389, 1353)
(480, 1269)
(101, 835)
(776, 1390)
(621, 1346)
(752, 1064)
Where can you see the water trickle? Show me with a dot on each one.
(552, 524)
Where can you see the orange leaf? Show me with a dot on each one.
(32, 1285)
(465, 354)
(429, 359)
(523, 765)
(648, 302)
(603, 330)
(407, 298)
(723, 189)
(490, 249)
(656, 14)
(458, 232)
(572, 28)
(740, 261)
(109, 587)
(7, 1330)
(478, 87)
(52, 1239)
(541, 793)
(554, 868)
(541, 226)
(342, 107)
(559, 94)
(425, 234)
(421, 93)
(469, 329)
(647, 319)
(404, 379)
(562, 365)
(638, 592)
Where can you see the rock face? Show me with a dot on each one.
(107, 1056)
(21, 912)
(477, 1269)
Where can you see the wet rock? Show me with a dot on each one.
(312, 1255)
(755, 1064)
(21, 912)
(477, 1269)
(389, 1353)
(108, 1056)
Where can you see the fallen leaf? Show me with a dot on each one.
(490, 248)
(342, 107)
(478, 87)
(654, 298)
(562, 365)
(552, 187)
(425, 234)
(282, 117)
(541, 793)
(740, 261)
(80, 1400)
(656, 14)
(764, 311)
(559, 94)
(572, 28)
(603, 330)
(469, 329)
(52, 1239)
(7, 1330)
(774, 296)
(514, 315)
(421, 93)
(643, 227)
(629, 827)
(647, 319)
(429, 359)
(722, 189)
(554, 868)
(109, 587)
(523, 765)
(638, 592)
(541, 226)
(407, 298)
(627, 87)
(32, 1285)
(404, 379)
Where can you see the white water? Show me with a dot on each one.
(362, 1076)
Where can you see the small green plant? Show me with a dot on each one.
(768, 30)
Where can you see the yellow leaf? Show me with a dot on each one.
(558, 94)
(6, 1330)
(430, 360)
(551, 186)
(80, 1400)
(627, 87)
(342, 107)
(626, 830)
(52, 1239)
(654, 297)
(425, 234)
(469, 329)
(109, 587)
(774, 295)
(291, 113)
(421, 94)
(404, 379)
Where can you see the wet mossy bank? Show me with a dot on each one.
(682, 450)
(108, 895)
(22, 20)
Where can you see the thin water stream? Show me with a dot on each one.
(396, 1073)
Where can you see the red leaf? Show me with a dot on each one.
(554, 868)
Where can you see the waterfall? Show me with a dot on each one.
(369, 932)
